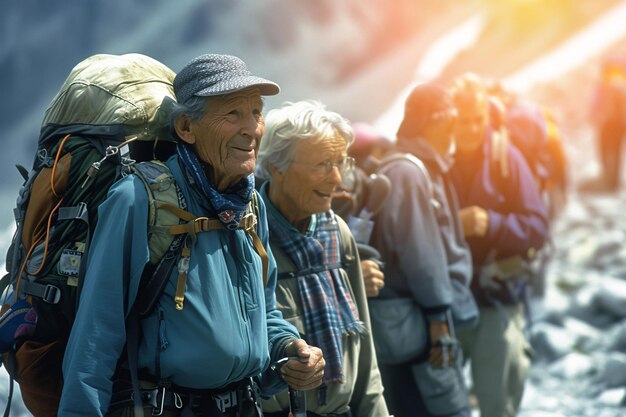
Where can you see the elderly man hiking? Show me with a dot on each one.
(208, 345)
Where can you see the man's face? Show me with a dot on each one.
(440, 129)
(471, 124)
(307, 185)
(227, 136)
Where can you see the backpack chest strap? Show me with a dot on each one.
(194, 225)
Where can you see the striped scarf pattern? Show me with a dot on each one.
(329, 310)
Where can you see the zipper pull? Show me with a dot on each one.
(92, 172)
(94, 169)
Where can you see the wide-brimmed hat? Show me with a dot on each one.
(214, 74)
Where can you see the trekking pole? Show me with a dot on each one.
(297, 403)
(297, 398)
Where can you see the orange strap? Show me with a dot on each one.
(49, 225)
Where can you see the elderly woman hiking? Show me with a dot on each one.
(320, 290)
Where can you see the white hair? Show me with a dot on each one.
(293, 122)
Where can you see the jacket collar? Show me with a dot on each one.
(424, 151)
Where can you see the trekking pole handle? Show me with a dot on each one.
(297, 398)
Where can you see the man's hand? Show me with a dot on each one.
(440, 355)
(306, 372)
(474, 220)
(373, 277)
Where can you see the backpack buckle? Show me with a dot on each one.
(248, 222)
(225, 400)
(157, 409)
(51, 294)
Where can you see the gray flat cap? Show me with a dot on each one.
(213, 75)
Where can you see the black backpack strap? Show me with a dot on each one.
(10, 365)
(7, 409)
(4, 282)
(154, 280)
(132, 350)
(78, 211)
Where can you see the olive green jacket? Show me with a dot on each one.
(362, 391)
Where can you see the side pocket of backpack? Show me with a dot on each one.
(443, 389)
(38, 372)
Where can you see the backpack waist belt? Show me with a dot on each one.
(174, 397)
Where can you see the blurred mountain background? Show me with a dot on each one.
(313, 49)
(353, 55)
(358, 57)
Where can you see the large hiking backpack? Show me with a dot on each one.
(110, 112)
(533, 130)
(108, 120)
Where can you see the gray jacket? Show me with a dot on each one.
(419, 235)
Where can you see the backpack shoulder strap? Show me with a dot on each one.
(171, 225)
(195, 225)
(499, 152)
(162, 193)
(347, 255)
(164, 247)
(399, 156)
(251, 228)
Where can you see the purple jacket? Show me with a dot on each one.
(517, 216)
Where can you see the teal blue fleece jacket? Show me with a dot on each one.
(229, 327)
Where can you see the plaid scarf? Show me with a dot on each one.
(230, 206)
(329, 311)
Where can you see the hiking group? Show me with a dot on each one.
(178, 253)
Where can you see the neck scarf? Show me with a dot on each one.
(230, 206)
(329, 311)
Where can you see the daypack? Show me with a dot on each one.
(109, 115)
(533, 130)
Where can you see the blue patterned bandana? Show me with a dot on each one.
(230, 206)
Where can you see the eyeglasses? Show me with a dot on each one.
(345, 166)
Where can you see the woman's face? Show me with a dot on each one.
(307, 185)
(226, 138)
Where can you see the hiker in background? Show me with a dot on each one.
(367, 149)
(369, 146)
(203, 353)
(303, 156)
(608, 117)
(361, 194)
(529, 129)
(352, 201)
(534, 129)
(504, 222)
(419, 236)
